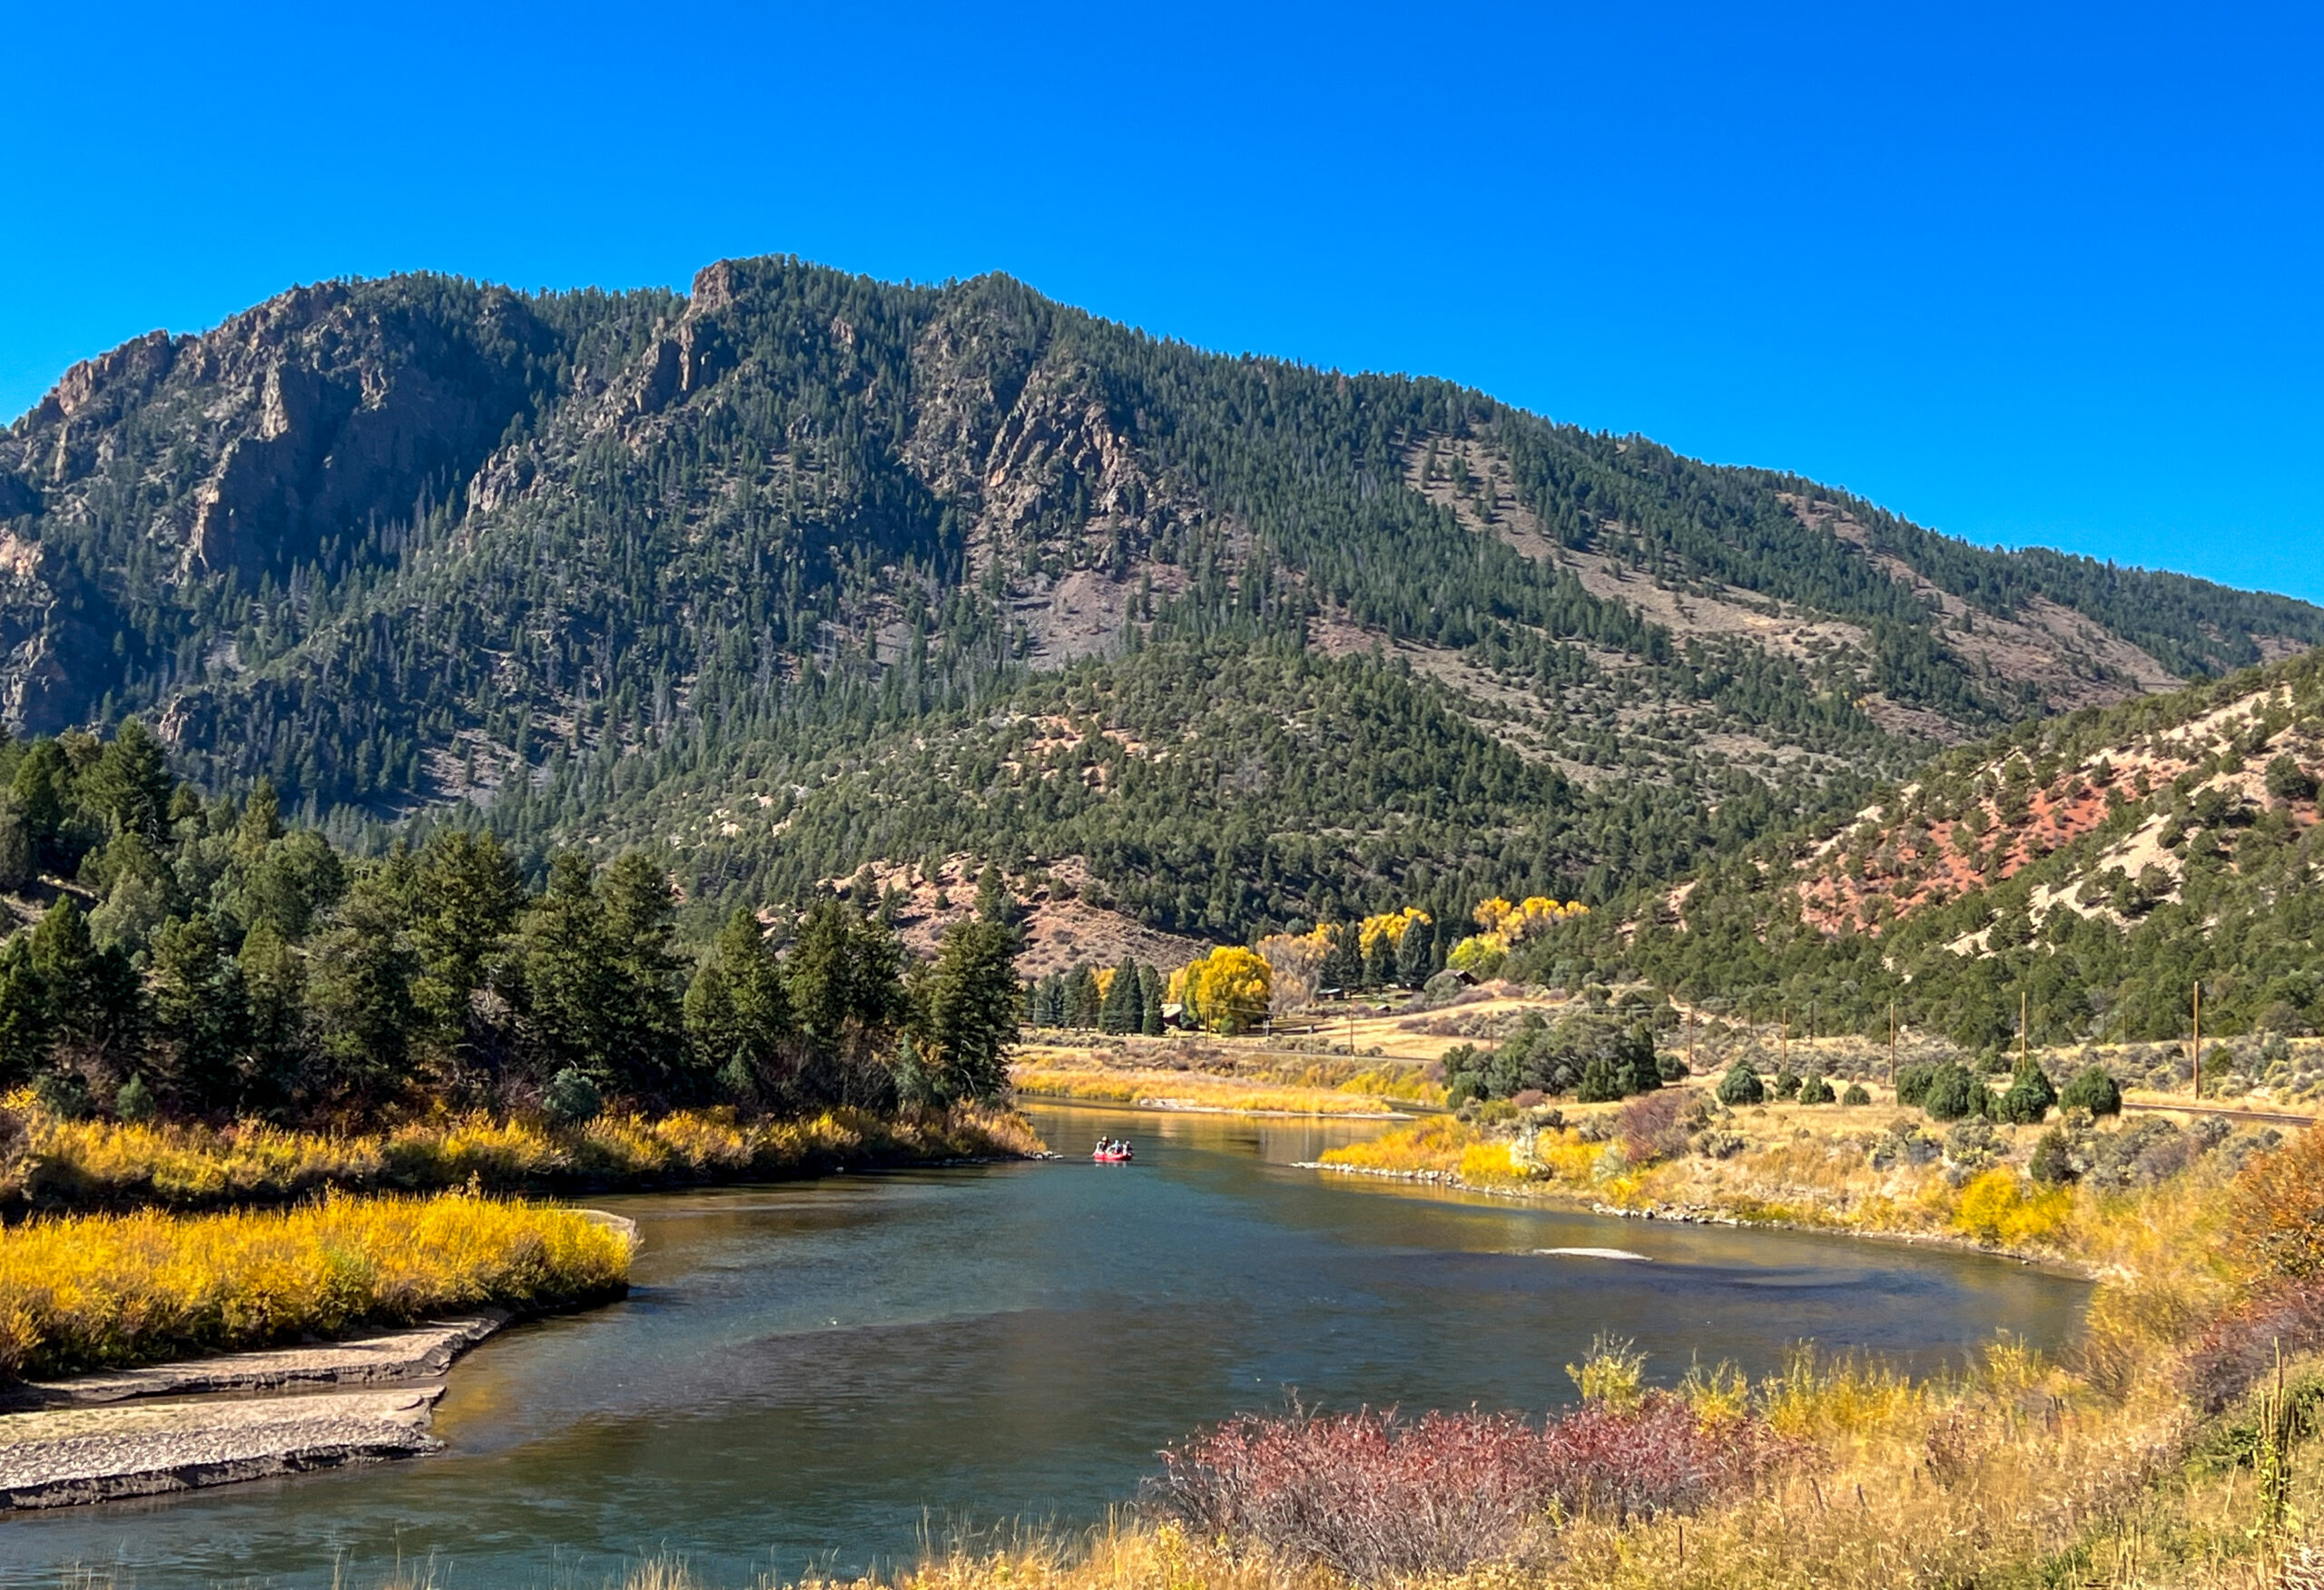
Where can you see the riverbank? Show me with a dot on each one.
(60, 1164)
(106, 1291)
(1225, 1076)
(2031, 1192)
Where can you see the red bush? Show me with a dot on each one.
(1654, 1127)
(2241, 1346)
(1376, 1498)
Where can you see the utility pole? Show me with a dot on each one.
(2199, 1040)
(1892, 1043)
(2021, 1028)
(1783, 1027)
(1690, 1040)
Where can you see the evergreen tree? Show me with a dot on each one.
(360, 977)
(465, 898)
(1379, 962)
(573, 978)
(260, 823)
(1413, 967)
(1122, 1010)
(846, 988)
(2029, 1096)
(1048, 1001)
(43, 793)
(738, 1012)
(201, 1015)
(967, 1012)
(1634, 1061)
(274, 992)
(641, 922)
(2094, 1090)
(131, 782)
(1082, 1000)
(27, 1019)
(1150, 988)
(94, 994)
(996, 905)
(1602, 1082)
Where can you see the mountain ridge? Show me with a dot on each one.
(418, 547)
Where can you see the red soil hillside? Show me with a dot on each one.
(2199, 782)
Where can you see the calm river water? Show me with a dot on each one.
(823, 1372)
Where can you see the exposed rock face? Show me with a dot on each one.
(314, 429)
(384, 540)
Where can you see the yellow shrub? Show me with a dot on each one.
(113, 1290)
(1996, 1208)
(1435, 1145)
(1488, 1164)
(84, 1162)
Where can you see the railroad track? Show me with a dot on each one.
(2272, 1117)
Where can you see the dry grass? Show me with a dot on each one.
(81, 1164)
(94, 1291)
(1180, 1090)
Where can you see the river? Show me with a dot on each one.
(828, 1372)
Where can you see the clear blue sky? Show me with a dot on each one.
(2023, 274)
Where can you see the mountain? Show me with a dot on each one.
(2100, 865)
(800, 571)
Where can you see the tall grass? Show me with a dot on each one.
(106, 1164)
(90, 1292)
(1195, 1092)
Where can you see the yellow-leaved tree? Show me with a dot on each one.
(1225, 990)
(1506, 926)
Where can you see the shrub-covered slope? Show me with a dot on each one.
(2099, 864)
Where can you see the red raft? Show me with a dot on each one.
(1118, 1155)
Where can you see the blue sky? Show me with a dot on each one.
(2024, 274)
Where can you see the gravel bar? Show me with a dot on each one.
(61, 1457)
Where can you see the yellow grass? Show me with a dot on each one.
(91, 1291)
(82, 1163)
(1193, 1089)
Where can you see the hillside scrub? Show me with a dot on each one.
(2035, 1191)
(62, 1163)
(91, 1291)
(2088, 873)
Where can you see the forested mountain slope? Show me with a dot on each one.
(797, 571)
(2100, 865)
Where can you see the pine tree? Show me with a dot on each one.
(738, 1012)
(199, 1014)
(1150, 987)
(274, 992)
(968, 1011)
(996, 905)
(131, 782)
(27, 1019)
(1379, 962)
(1082, 1000)
(1120, 1011)
(640, 919)
(360, 974)
(1412, 966)
(466, 899)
